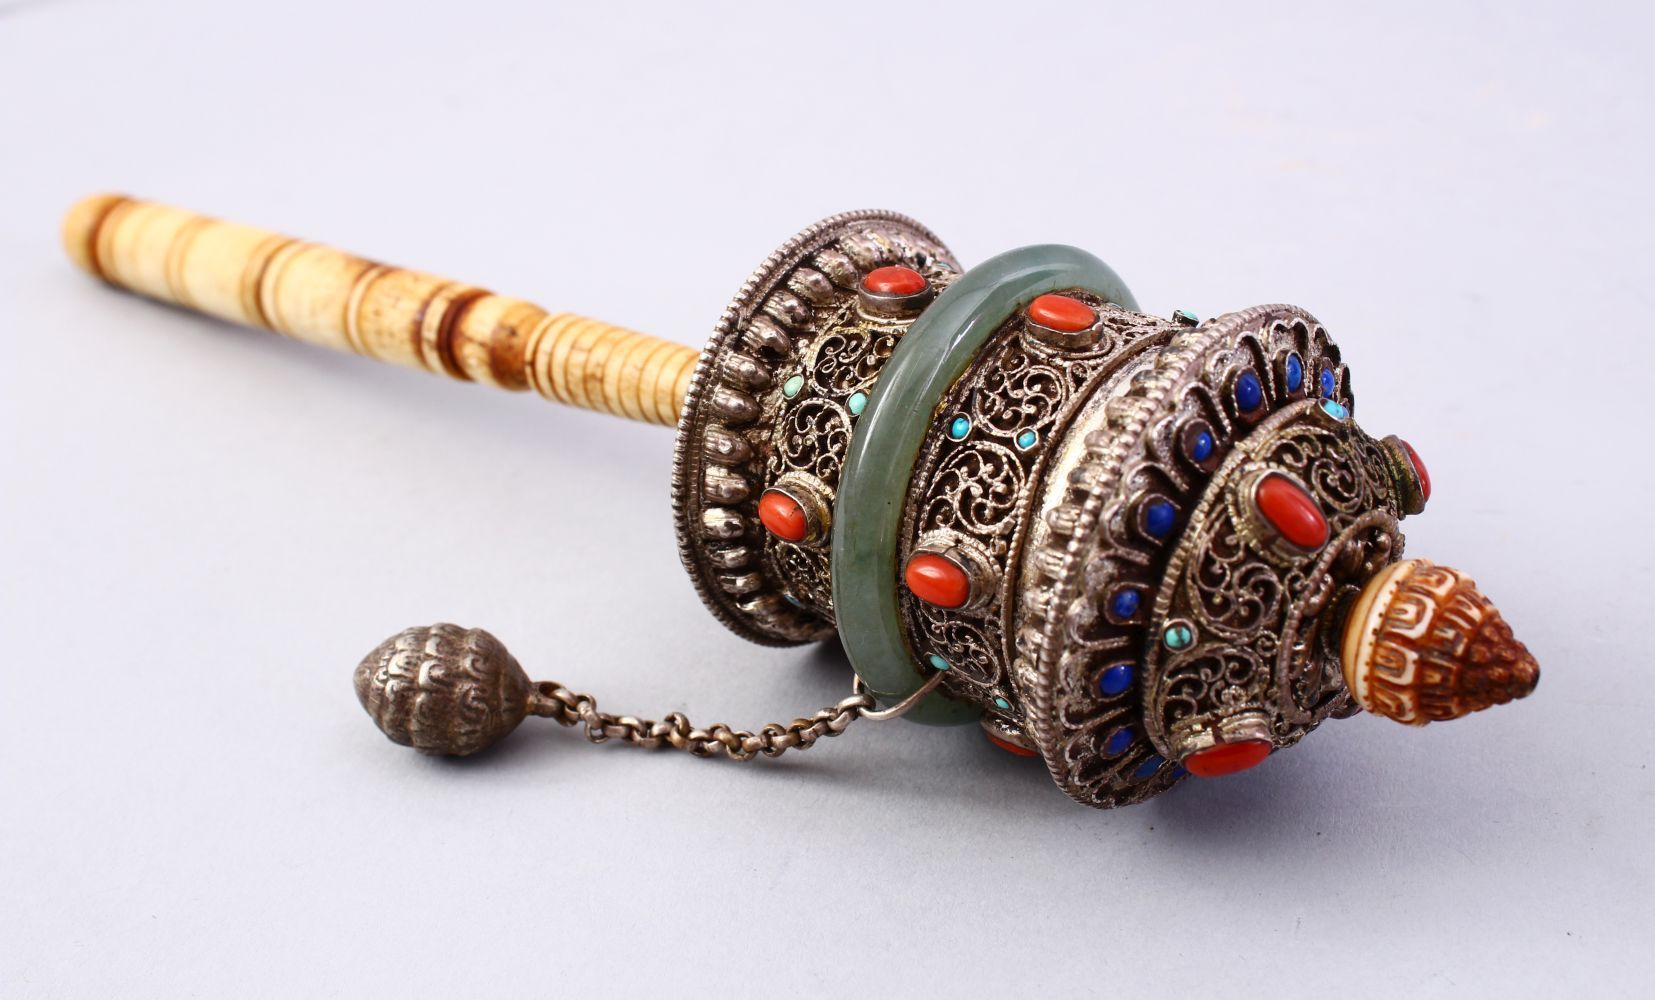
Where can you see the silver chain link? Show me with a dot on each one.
(571, 708)
(449, 690)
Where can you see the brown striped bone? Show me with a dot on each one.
(320, 295)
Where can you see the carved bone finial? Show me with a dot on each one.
(1422, 644)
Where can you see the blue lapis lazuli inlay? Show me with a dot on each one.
(1335, 409)
(1027, 439)
(1149, 766)
(1159, 518)
(959, 428)
(1295, 373)
(1118, 741)
(1249, 392)
(1116, 680)
(1125, 603)
(1329, 383)
(1202, 448)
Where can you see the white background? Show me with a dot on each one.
(203, 528)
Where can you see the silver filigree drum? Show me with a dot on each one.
(1132, 546)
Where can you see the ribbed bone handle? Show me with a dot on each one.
(318, 294)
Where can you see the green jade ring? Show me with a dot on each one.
(931, 357)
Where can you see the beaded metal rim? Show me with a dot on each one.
(752, 306)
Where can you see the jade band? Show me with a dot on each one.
(867, 513)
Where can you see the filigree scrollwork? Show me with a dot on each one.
(1309, 681)
(806, 568)
(1209, 645)
(1230, 592)
(810, 437)
(850, 356)
(1256, 601)
(973, 645)
(1018, 394)
(1210, 674)
(978, 477)
(978, 489)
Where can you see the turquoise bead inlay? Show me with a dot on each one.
(1178, 636)
(938, 662)
(1002, 704)
(1335, 409)
(1027, 439)
(857, 402)
(959, 428)
(791, 387)
(928, 359)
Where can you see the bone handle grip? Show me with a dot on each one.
(320, 295)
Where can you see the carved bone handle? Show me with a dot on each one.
(318, 294)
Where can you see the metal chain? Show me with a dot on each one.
(572, 708)
(449, 690)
